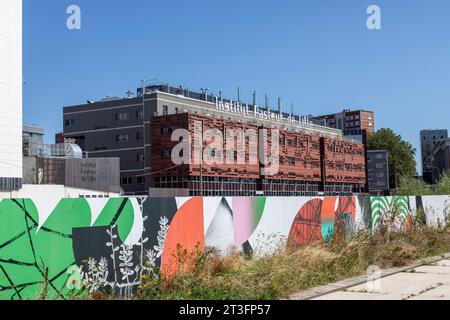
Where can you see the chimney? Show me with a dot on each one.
(254, 97)
(279, 105)
(266, 102)
(238, 94)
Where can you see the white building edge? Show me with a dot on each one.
(11, 82)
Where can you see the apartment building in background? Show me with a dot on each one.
(429, 139)
(11, 82)
(378, 171)
(122, 127)
(439, 161)
(353, 123)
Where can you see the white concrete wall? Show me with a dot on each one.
(52, 191)
(11, 88)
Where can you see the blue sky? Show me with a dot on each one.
(317, 54)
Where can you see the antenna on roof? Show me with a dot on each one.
(254, 97)
(238, 94)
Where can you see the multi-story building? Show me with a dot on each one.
(378, 171)
(428, 141)
(307, 163)
(439, 160)
(130, 128)
(352, 123)
(11, 95)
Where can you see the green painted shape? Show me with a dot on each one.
(13, 225)
(54, 247)
(382, 205)
(125, 220)
(259, 205)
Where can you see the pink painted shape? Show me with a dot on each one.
(242, 220)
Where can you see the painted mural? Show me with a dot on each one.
(108, 244)
(36, 240)
(437, 210)
(390, 212)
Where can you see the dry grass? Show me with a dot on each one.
(292, 270)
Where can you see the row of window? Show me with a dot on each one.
(120, 116)
(126, 137)
(130, 180)
(378, 175)
(378, 165)
(123, 116)
(354, 117)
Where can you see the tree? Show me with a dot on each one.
(411, 186)
(401, 154)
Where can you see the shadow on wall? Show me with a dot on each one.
(109, 243)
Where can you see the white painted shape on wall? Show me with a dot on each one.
(181, 201)
(412, 206)
(210, 206)
(220, 234)
(96, 206)
(45, 206)
(276, 222)
(138, 224)
(436, 210)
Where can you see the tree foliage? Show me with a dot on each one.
(401, 154)
(411, 186)
(443, 186)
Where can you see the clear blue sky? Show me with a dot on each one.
(317, 54)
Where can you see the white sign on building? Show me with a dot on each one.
(10, 94)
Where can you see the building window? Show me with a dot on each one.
(139, 114)
(141, 180)
(70, 122)
(165, 110)
(139, 136)
(127, 180)
(122, 116)
(380, 174)
(177, 111)
(380, 165)
(167, 130)
(122, 138)
(140, 158)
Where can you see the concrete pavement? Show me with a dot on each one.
(425, 280)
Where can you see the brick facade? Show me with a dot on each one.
(303, 158)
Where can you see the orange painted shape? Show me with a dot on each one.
(328, 207)
(186, 235)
